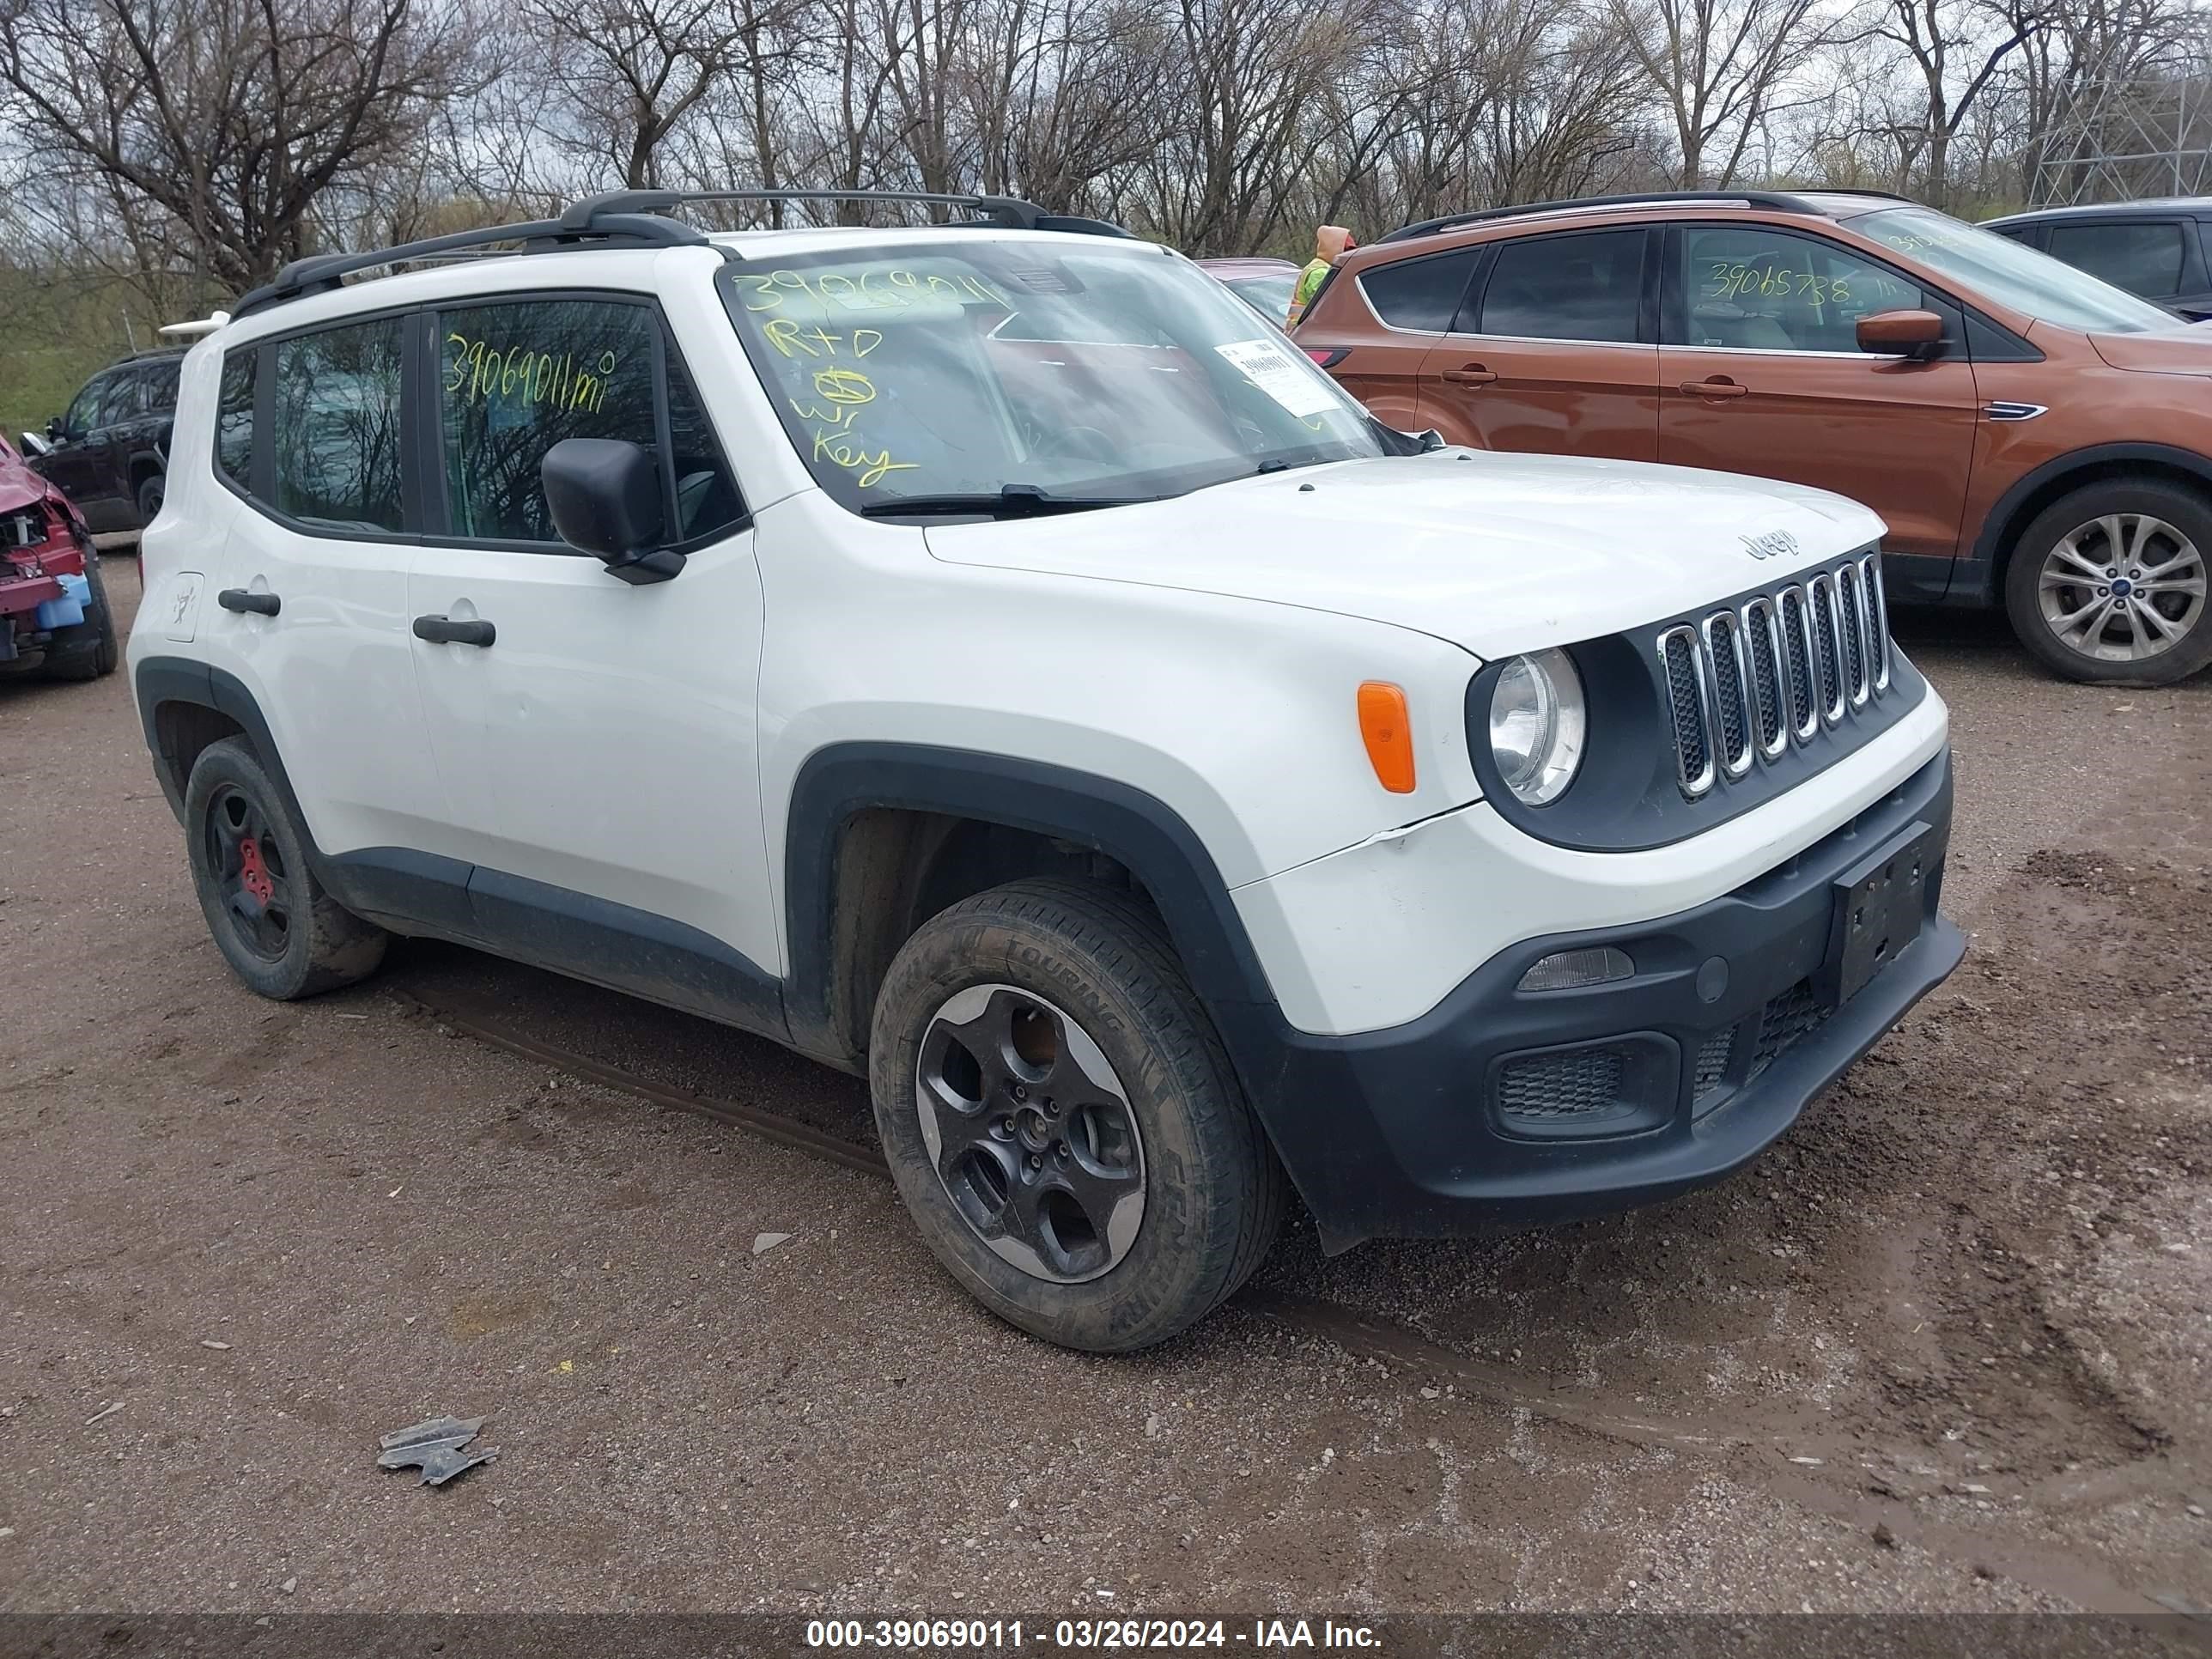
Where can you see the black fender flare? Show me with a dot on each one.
(1305, 1095)
(158, 681)
(1144, 833)
(1990, 550)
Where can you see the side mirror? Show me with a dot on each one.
(605, 496)
(1918, 335)
(33, 445)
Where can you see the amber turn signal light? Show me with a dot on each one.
(1388, 731)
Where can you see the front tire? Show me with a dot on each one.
(276, 927)
(2108, 584)
(1061, 1119)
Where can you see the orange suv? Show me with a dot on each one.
(2033, 436)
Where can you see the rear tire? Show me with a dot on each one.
(89, 649)
(276, 927)
(153, 491)
(2108, 584)
(1074, 1082)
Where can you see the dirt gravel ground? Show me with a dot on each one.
(1947, 1347)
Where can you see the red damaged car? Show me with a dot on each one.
(54, 614)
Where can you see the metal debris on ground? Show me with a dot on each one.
(763, 1242)
(434, 1447)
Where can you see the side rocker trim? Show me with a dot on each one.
(624, 949)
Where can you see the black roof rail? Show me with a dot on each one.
(633, 218)
(321, 272)
(1859, 190)
(1008, 211)
(1779, 200)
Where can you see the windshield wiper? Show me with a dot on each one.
(1013, 501)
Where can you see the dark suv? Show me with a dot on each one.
(2155, 249)
(110, 453)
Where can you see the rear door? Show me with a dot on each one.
(1411, 304)
(311, 612)
(1764, 375)
(1557, 353)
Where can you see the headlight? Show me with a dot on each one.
(1537, 724)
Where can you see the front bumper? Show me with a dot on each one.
(1440, 1127)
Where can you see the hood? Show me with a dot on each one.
(1499, 554)
(2186, 348)
(1330, 242)
(19, 485)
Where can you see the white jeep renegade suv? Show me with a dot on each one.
(978, 656)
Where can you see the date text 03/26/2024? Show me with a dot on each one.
(924, 1635)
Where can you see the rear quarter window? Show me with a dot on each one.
(1421, 295)
(234, 417)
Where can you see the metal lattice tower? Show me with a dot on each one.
(2144, 128)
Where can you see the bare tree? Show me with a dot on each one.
(1719, 68)
(1934, 36)
(629, 72)
(215, 127)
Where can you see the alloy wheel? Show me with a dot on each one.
(1031, 1133)
(2123, 587)
(249, 871)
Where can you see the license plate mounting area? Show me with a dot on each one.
(1880, 904)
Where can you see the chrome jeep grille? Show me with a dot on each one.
(1724, 643)
(1744, 682)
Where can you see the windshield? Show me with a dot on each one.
(1081, 368)
(2013, 274)
(1269, 296)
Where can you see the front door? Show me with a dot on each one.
(1764, 375)
(598, 739)
(1557, 355)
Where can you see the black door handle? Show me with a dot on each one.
(238, 598)
(441, 630)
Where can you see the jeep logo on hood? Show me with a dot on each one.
(1771, 545)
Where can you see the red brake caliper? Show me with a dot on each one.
(253, 874)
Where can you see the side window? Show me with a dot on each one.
(1584, 287)
(234, 417)
(519, 376)
(337, 427)
(1756, 288)
(2145, 259)
(1419, 294)
(84, 409)
(161, 387)
(124, 398)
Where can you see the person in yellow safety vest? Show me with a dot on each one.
(1331, 242)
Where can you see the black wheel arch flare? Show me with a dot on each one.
(1327, 1143)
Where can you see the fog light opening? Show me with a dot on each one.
(1570, 970)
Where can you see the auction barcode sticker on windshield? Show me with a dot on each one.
(1271, 368)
